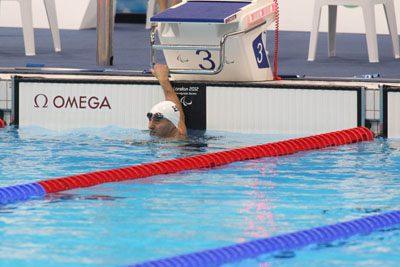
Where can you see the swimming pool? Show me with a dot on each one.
(166, 215)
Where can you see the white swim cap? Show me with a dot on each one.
(169, 110)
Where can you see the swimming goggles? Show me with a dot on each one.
(156, 116)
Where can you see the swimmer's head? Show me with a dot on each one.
(163, 118)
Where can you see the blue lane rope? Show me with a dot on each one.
(21, 192)
(283, 242)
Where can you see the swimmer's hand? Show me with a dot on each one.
(141, 142)
(155, 141)
(161, 72)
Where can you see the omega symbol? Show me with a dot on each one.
(45, 99)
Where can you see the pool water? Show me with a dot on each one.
(117, 224)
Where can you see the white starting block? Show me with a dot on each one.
(215, 40)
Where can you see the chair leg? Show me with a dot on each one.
(332, 10)
(370, 28)
(314, 32)
(150, 12)
(52, 17)
(392, 25)
(27, 27)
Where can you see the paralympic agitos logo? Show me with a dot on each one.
(71, 102)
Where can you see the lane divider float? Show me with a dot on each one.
(39, 189)
(285, 242)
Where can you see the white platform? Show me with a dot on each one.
(393, 111)
(249, 109)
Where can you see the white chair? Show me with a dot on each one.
(27, 25)
(151, 6)
(368, 7)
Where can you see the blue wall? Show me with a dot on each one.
(131, 6)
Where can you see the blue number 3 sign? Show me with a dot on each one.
(259, 53)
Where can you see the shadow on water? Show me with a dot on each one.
(57, 197)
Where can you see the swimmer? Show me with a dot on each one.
(166, 119)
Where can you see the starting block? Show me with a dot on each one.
(215, 40)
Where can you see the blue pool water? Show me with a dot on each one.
(117, 224)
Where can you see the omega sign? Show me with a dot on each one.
(71, 102)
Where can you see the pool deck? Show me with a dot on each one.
(132, 56)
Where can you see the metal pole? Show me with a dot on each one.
(363, 106)
(105, 32)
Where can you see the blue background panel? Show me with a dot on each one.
(132, 6)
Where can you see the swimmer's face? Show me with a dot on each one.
(159, 126)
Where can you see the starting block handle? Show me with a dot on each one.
(220, 48)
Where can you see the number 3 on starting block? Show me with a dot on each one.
(259, 53)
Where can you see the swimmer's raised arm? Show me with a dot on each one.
(161, 72)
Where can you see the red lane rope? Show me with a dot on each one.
(276, 77)
(209, 160)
